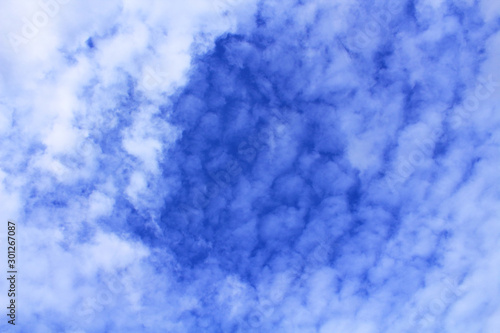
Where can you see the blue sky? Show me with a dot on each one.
(252, 166)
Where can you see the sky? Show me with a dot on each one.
(251, 166)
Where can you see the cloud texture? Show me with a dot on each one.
(244, 166)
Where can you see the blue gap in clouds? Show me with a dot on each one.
(198, 144)
(227, 101)
(218, 110)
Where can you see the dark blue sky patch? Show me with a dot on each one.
(90, 43)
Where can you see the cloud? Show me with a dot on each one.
(252, 166)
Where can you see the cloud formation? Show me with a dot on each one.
(245, 166)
